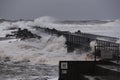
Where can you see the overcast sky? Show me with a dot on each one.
(62, 9)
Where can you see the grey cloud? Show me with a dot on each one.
(64, 9)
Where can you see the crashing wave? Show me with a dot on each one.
(50, 49)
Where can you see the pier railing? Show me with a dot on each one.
(107, 46)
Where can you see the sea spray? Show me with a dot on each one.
(39, 51)
(30, 50)
(118, 41)
(90, 55)
(55, 44)
(45, 21)
(92, 45)
(48, 50)
(111, 28)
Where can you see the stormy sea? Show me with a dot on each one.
(38, 59)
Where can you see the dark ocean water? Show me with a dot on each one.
(24, 71)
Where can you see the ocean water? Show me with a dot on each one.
(34, 59)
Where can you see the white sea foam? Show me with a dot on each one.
(54, 78)
(50, 49)
(92, 45)
(118, 41)
(30, 50)
(108, 29)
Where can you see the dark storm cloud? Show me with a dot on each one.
(64, 9)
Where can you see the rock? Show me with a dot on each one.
(7, 59)
(23, 34)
